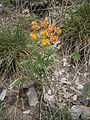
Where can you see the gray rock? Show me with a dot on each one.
(76, 112)
(65, 62)
(0, 5)
(74, 97)
(28, 84)
(86, 113)
(32, 97)
(26, 112)
(56, 73)
(61, 71)
(49, 91)
(77, 81)
(49, 98)
(3, 94)
(0, 9)
(80, 87)
(64, 80)
(67, 95)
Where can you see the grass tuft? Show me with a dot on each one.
(76, 30)
(87, 89)
(12, 45)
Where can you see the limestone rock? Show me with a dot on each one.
(32, 97)
(74, 97)
(26, 112)
(3, 94)
(76, 112)
(48, 97)
(86, 113)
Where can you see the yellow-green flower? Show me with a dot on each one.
(33, 36)
(50, 28)
(35, 27)
(44, 24)
(34, 23)
(45, 42)
(58, 30)
(43, 34)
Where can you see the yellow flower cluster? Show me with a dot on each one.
(54, 38)
(58, 30)
(33, 36)
(47, 33)
(45, 42)
(43, 34)
(44, 24)
(50, 28)
(35, 26)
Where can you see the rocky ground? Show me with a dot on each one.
(64, 86)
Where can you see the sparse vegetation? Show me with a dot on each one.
(12, 45)
(4, 115)
(76, 30)
(54, 112)
(5, 1)
(87, 90)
